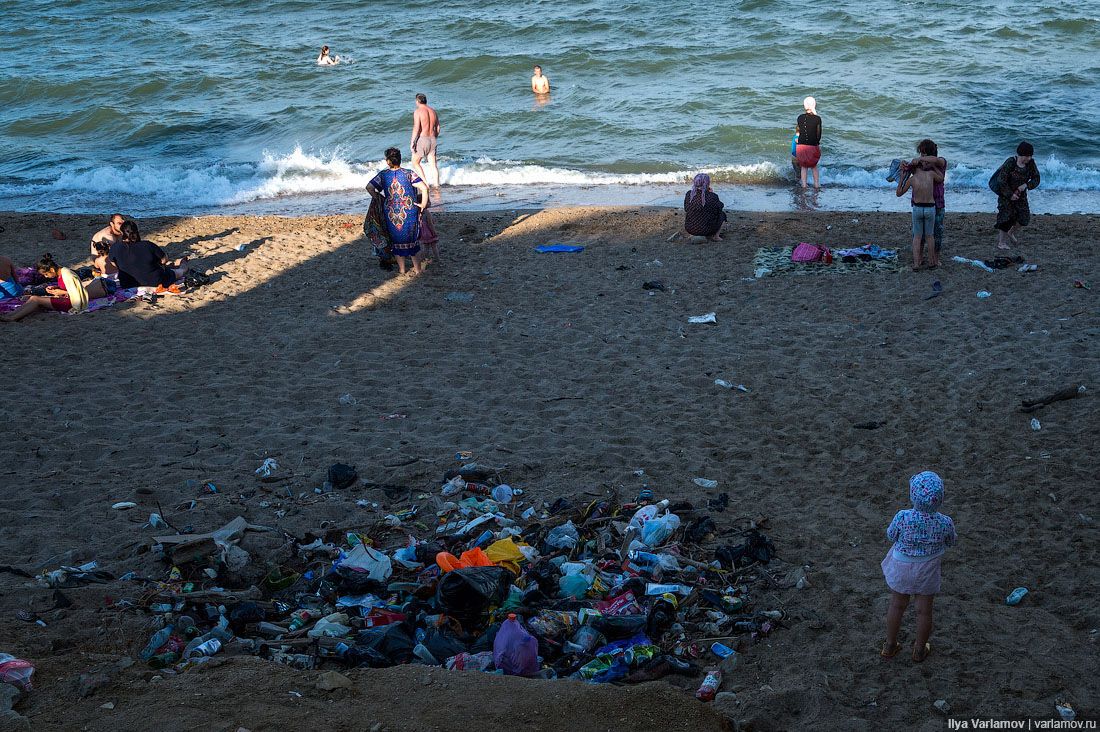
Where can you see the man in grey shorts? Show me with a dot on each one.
(921, 181)
(424, 133)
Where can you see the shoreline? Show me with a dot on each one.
(776, 198)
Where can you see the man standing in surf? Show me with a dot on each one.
(424, 134)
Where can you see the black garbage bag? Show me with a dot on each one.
(468, 594)
(350, 582)
(757, 548)
(390, 645)
(443, 643)
(342, 476)
(485, 641)
(245, 613)
(699, 529)
(618, 627)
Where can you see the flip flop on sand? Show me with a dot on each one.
(888, 653)
(923, 656)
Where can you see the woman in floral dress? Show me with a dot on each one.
(403, 195)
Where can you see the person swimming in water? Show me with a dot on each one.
(539, 83)
(325, 59)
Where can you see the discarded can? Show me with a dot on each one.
(709, 688)
(721, 650)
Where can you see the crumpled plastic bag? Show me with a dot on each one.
(342, 476)
(468, 594)
(16, 671)
(374, 563)
(389, 645)
(565, 536)
(505, 553)
(470, 558)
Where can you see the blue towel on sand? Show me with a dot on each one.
(559, 248)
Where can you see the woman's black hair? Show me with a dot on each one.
(130, 232)
(393, 157)
(926, 147)
(1025, 148)
(47, 263)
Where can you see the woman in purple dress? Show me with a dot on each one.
(403, 196)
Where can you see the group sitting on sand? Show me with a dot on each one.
(122, 260)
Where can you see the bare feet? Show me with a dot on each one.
(1002, 245)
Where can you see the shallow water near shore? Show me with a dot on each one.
(219, 107)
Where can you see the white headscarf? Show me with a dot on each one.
(810, 105)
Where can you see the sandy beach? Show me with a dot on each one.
(564, 368)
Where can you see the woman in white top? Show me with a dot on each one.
(325, 59)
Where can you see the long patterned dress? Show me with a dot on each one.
(1009, 212)
(399, 210)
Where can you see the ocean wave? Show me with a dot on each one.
(304, 173)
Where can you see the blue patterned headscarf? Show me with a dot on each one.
(699, 187)
(926, 491)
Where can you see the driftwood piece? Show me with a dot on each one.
(1070, 392)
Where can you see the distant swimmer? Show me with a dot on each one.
(109, 234)
(539, 83)
(424, 135)
(325, 59)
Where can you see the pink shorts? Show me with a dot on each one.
(911, 578)
(808, 155)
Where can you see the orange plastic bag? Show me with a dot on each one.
(470, 558)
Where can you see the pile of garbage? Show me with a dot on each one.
(477, 577)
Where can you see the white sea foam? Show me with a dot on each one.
(304, 173)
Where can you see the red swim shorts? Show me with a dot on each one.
(61, 304)
(808, 155)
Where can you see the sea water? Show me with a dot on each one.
(164, 107)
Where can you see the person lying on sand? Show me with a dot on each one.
(69, 294)
(142, 263)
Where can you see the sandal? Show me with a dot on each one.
(923, 656)
(888, 653)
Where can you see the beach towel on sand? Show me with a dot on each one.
(569, 248)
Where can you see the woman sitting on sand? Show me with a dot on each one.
(403, 196)
(68, 295)
(142, 263)
(704, 213)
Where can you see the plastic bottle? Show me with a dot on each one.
(421, 651)
(209, 648)
(709, 688)
(651, 562)
(722, 650)
(454, 487)
(515, 651)
(299, 618)
(584, 640)
(647, 513)
(156, 641)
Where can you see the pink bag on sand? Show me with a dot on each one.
(809, 253)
